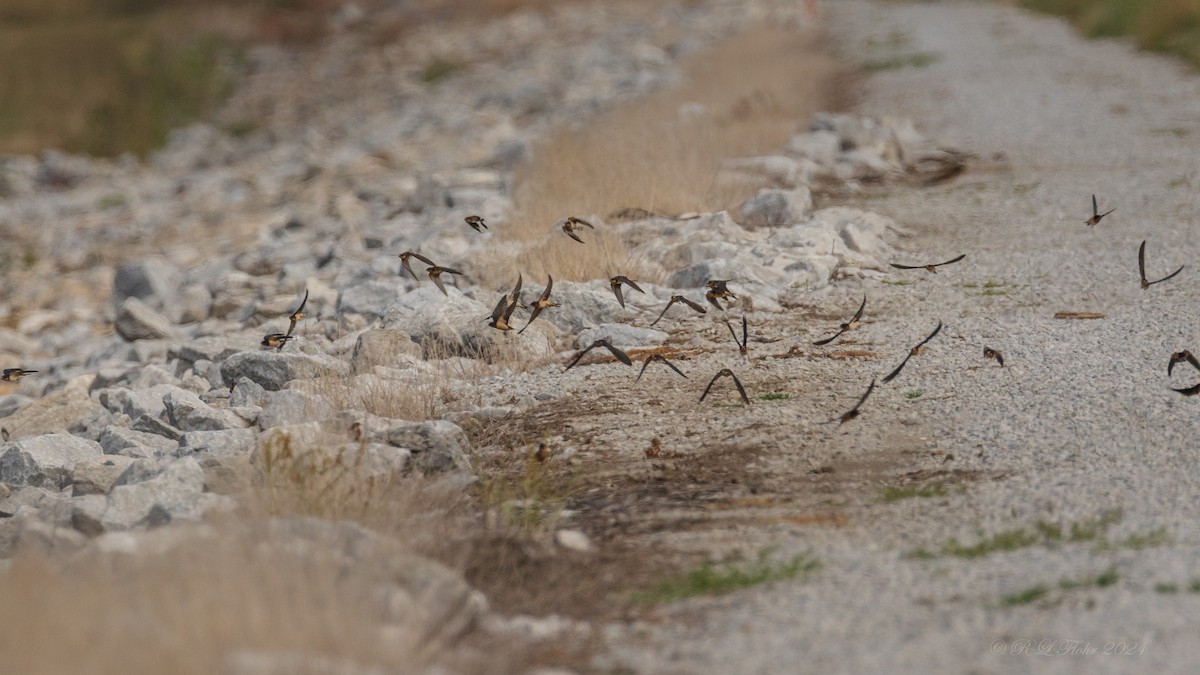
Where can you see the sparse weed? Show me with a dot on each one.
(1166, 588)
(710, 579)
(774, 396)
(914, 393)
(1029, 595)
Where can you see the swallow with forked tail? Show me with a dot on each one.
(1142, 268)
(602, 342)
(435, 273)
(541, 303)
(1180, 357)
(404, 257)
(928, 268)
(276, 340)
(854, 322)
(679, 298)
(744, 343)
(915, 351)
(297, 315)
(725, 372)
(718, 289)
(615, 284)
(856, 410)
(14, 374)
(657, 357)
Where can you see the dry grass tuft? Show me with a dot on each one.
(663, 153)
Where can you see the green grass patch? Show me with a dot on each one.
(1166, 588)
(895, 282)
(1043, 592)
(1103, 580)
(1050, 534)
(914, 393)
(1138, 540)
(1194, 586)
(1029, 595)
(893, 493)
(113, 201)
(1171, 26)
(774, 396)
(710, 579)
(1007, 540)
(440, 68)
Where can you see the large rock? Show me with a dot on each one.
(55, 413)
(226, 443)
(45, 461)
(152, 281)
(457, 326)
(117, 440)
(149, 494)
(186, 412)
(436, 446)
(776, 208)
(289, 406)
(371, 298)
(381, 347)
(138, 321)
(97, 476)
(272, 369)
(137, 402)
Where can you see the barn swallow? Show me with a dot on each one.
(744, 343)
(736, 382)
(915, 351)
(854, 322)
(295, 316)
(571, 224)
(1142, 268)
(989, 353)
(436, 272)
(679, 298)
(503, 313)
(928, 268)
(1096, 215)
(276, 340)
(541, 303)
(657, 357)
(410, 254)
(854, 412)
(14, 374)
(602, 342)
(1180, 357)
(615, 284)
(476, 223)
(1190, 391)
(717, 290)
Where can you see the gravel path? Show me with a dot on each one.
(1078, 435)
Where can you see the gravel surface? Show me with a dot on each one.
(1079, 432)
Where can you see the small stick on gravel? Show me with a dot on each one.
(736, 382)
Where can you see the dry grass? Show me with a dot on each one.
(746, 96)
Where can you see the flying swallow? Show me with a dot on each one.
(295, 316)
(602, 342)
(14, 374)
(476, 223)
(736, 382)
(657, 357)
(1180, 357)
(928, 268)
(744, 343)
(718, 290)
(542, 453)
(515, 296)
(410, 254)
(1142, 268)
(989, 353)
(615, 284)
(541, 303)
(854, 412)
(571, 224)
(276, 340)
(435, 273)
(679, 298)
(854, 322)
(915, 351)
(503, 313)
(1096, 215)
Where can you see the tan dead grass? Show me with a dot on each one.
(746, 96)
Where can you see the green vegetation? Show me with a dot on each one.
(1166, 589)
(1049, 534)
(1171, 26)
(774, 396)
(709, 579)
(895, 282)
(440, 68)
(914, 60)
(110, 76)
(1007, 540)
(914, 393)
(1042, 591)
(894, 493)
(1031, 594)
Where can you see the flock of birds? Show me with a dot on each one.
(716, 290)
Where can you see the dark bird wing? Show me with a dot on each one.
(423, 259)
(827, 340)
(733, 332)
(694, 305)
(500, 307)
(671, 365)
(302, 303)
(516, 291)
(950, 262)
(1169, 276)
(537, 309)
(1095, 208)
(549, 287)
(581, 355)
(892, 375)
(712, 382)
(510, 308)
(622, 356)
(931, 335)
(1190, 391)
(652, 357)
(862, 400)
(409, 269)
(632, 284)
(859, 313)
(581, 221)
(907, 267)
(437, 280)
(711, 296)
(745, 332)
(450, 270)
(1192, 360)
(664, 312)
(1142, 261)
(615, 285)
(571, 233)
(741, 390)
